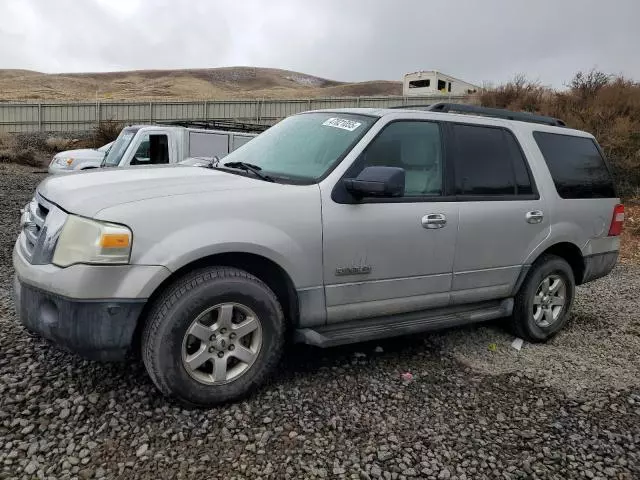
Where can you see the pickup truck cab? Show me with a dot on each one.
(161, 145)
(331, 227)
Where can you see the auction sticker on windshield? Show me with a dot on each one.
(342, 123)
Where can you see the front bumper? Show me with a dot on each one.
(99, 330)
(92, 310)
(90, 282)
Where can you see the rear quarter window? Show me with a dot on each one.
(576, 165)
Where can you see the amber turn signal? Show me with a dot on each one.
(114, 240)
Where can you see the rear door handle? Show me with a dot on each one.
(535, 216)
(434, 220)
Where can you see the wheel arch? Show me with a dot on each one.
(572, 254)
(569, 252)
(265, 269)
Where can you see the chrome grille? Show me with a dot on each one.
(33, 221)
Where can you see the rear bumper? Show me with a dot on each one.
(599, 265)
(96, 329)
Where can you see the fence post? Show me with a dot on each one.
(39, 117)
(150, 112)
(98, 113)
(206, 108)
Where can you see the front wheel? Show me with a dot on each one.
(213, 337)
(543, 304)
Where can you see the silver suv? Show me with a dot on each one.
(331, 227)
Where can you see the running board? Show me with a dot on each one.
(404, 324)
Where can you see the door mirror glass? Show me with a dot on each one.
(377, 182)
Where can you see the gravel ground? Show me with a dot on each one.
(475, 407)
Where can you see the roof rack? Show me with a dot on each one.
(226, 125)
(487, 112)
(413, 107)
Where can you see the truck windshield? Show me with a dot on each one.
(303, 147)
(112, 159)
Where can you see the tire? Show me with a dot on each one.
(221, 296)
(531, 319)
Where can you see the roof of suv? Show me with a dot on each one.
(458, 117)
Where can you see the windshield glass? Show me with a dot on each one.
(119, 147)
(303, 147)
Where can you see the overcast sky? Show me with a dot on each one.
(350, 40)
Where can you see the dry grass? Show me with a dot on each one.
(6, 140)
(57, 144)
(107, 131)
(232, 82)
(25, 156)
(630, 246)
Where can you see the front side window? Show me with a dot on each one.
(488, 162)
(152, 150)
(303, 147)
(413, 146)
(576, 166)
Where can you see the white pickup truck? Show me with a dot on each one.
(162, 144)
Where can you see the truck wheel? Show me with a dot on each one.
(213, 337)
(544, 301)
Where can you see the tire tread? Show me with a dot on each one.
(519, 318)
(164, 303)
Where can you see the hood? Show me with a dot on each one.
(81, 153)
(86, 193)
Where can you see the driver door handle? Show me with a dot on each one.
(434, 220)
(535, 216)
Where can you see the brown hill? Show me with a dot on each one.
(214, 83)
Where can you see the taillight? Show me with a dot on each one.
(617, 221)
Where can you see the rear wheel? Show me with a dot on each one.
(543, 304)
(213, 337)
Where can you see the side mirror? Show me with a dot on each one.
(377, 182)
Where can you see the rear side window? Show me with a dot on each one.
(488, 162)
(576, 165)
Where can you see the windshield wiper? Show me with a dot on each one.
(248, 167)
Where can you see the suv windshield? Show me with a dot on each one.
(112, 159)
(303, 147)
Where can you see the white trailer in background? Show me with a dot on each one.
(433, 82)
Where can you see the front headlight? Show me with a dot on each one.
(89, 241)
(63, 161)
